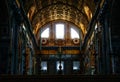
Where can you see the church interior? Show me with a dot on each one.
(59, 37)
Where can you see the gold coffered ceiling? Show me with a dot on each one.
(78, 12)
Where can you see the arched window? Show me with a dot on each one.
(60, 30)
(74, 33)
(45, 33)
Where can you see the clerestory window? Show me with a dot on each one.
(59, 30)
(74, 33)
(45, 33)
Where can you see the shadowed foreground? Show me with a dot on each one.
(46, 78)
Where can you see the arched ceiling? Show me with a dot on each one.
(40, 12)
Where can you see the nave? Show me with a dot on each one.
(66, 38)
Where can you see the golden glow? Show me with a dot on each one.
(31, 12)
(71, 51)
(91, 15)
(83, 28)
(88, 12)
(52, 14)
(47, 52)
(36, 28)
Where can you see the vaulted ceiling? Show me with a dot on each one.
(41, 12)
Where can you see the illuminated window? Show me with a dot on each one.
(76, 65)
(44, 65)
(59, 31)
(74, 33)
(45, 33)
(58, 65)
